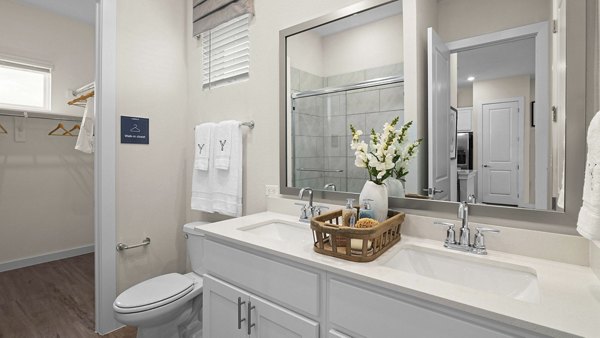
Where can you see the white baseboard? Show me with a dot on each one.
(47, 257)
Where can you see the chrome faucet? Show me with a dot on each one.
(304, 217)
(465, 233)
(464, 241)
(310, 210)
(310, 195)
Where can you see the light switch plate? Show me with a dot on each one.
(271, 190)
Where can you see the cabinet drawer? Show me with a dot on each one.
(287, 285)
(371, 314)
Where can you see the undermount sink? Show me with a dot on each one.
(281, 231)
(514, 281)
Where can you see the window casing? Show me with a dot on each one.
(24, 86)
(226, 53)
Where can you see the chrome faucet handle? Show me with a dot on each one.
(450, 233)
(303, 212)
(479, 242)
(318, 209)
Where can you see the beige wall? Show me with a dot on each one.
(46, 186)
(151, 179)
(511, 87)
(299, 44)
(255, 99)
(361, 47)
(66, 44)
(348, 51)
(459, 19)
(465, 97)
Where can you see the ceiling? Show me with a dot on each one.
(512, 58)
(359, 19)
(81, 10)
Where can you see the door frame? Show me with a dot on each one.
(540, 32)
(521, 131)
(105, 159)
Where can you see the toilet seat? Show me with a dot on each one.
(153, 293)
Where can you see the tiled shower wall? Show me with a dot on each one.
(321, 132)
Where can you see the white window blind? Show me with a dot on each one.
(24, 86)
(226, 52)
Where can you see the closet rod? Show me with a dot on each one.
(42, 117)
(84, 89)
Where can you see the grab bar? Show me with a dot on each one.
(123, 246)
(322, 170)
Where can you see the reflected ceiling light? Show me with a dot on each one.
(471, 78)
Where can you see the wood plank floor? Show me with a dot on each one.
(54, 299)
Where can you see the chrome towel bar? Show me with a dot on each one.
(123, 246)
(321, 170)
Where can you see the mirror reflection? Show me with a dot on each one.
(492, 137)
(345, 72)
(488, 106)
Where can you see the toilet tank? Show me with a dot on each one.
(195, 246)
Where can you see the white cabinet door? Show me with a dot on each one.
(464, 119)
(272, 321)
(224, 310)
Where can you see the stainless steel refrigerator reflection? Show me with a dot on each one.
(464, 150)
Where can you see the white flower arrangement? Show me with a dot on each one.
(386, 154)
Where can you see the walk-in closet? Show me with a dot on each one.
(47, 74)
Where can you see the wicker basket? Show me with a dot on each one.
(354, 244)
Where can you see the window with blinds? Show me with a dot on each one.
(226, 53)
(24, 86)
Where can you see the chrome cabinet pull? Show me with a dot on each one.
(240, 319)
(250, 325)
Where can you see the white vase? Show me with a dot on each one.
(378, 195)
(395, 187)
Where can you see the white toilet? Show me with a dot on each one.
(168, 305)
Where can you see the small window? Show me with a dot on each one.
(24, 86)
(226, 53)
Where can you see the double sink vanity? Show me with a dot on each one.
(263, 275)
(263, 278)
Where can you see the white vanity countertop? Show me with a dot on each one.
(569, 294)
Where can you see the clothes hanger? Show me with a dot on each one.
(2, 130)
(59, 127)
(79, 101)
(75, 127)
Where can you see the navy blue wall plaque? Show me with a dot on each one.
(135, 130)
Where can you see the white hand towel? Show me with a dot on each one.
(227, 184)
(202, 180)
(203, 134)
(588, 224)
(223, 139)
(85, 139)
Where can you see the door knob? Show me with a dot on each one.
(486, 166)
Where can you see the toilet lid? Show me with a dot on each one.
(154, 292)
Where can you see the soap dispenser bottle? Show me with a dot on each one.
(365, 210)
(349, 214)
